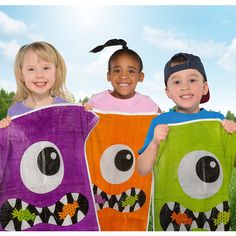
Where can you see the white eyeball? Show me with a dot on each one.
(200, 174)
(117, 164)
(42, 167)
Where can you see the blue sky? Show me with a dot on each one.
(155, 32)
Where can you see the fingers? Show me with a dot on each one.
(5, 122)
(160, 133)
(87, 107)
(229, 126)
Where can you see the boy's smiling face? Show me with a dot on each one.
(186, 88)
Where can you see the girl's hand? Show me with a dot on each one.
(5, 122)
(160, 133)
(229, 126)
(87, 107)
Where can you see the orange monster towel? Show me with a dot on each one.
(121, 195)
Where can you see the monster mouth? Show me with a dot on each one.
(175, 217)
(17, 215)
(129, 201)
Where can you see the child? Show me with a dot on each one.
(124, 72)
(40, 73)
(186, 84)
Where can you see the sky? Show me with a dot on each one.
(155, 32)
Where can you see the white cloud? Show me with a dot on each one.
(228, 58)
(175, 42)
(10, 31)
(10, 26)
(9, 48)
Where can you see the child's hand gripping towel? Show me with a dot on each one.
(122, 196)
(44, 182)
(192, 174)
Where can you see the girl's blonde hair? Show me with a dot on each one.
(46, 52)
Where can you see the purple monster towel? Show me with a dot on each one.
(44, 181)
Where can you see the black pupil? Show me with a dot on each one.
(49, 161)
(208, 169)
(124, 160)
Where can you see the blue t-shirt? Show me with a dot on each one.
(173, 117)
(19, 108)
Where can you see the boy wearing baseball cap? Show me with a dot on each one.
(190, 171)
(186, 84)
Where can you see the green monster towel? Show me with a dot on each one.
(192, 175)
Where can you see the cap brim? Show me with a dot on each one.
(205, 98)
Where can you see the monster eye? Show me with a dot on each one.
(200, 174)
(42, 167)
(117, 164)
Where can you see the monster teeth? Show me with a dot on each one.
(126, 209)
(128, 192)
(136, 207)
(116, 207)
(105, 205)
(80, 216)
(170, 227)
(25, 225)
(75, 196)
(98, 191)
(182, 209)
(10, 226)
(24, 205)
(52, 208)
(196, 214)
(67, 221)
(182, 228)
(137, 191)
(52, 221)
(220, 208)
(193, 225)
(64, 200)
(39, 209)
(37, 220)
(171, 205)
(208, 214)
(206, 225)
(220, 227)
(12, 202)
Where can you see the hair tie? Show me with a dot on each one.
(111, 42)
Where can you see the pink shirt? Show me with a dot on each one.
(104, 101)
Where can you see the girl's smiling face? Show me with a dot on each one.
(124, 75)
(38, 75)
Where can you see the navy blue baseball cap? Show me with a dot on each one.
(190, 61)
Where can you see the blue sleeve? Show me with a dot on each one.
(148, 139)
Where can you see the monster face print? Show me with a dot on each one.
(44, 182)
(192, 175)
(121, 195)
